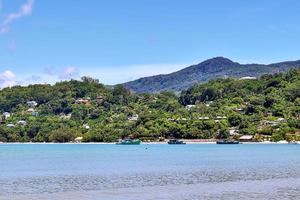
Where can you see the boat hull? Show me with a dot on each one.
(172, 142)
(227, 142)
(128, 142)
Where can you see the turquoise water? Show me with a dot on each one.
(95, 171)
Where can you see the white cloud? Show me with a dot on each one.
(7, 79)
(25, 10)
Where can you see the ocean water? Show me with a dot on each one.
(176, 172)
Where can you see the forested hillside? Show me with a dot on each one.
(218, 67)
(269, 106)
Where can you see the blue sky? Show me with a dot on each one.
(121, 40)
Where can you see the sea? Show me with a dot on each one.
(149, 172)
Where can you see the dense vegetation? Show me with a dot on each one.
(269, 106)
(218, 67)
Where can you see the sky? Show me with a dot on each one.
(44, 41)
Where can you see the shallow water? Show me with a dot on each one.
(93, 171)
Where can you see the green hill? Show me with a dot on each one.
(269, 106)
(218, 67)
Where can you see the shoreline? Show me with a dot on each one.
(143, 143)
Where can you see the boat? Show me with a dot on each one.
(293, 142)
(175, 141)
(227, 142)
(128, 141)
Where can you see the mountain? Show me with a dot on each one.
(217, 67)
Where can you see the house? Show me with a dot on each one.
(220, 117)
(248, 78)
(204, 118)
(270, 123)
(10, 125)
(133, 118)
(86, 126)
(281, 120)
(233, 131)
(32, 103)
(78, 139)
(269, 113)
(240, 110)
(209, 103)
(85, 101)
(64, 116)
(99, 99)
(30, 110)
(189, 107)
(22, 122)
(6, 115)
(265, 137)
(246, 138)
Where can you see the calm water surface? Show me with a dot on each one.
(192, 172)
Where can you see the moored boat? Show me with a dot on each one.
(227, 142)
(129, 142)
(175, 141)
(293, 142)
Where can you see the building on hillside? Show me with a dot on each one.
(270, 123)
(99, 99)
(64, 116)
(248, 78)
(32, 103)
(189, 107)
(10, 125)
(220, 117)
(133, 117)
(203, 118)
(246, 138)
(233, 131)
(281, 120)
(78, 139)
(6, 115)
(22, 122)
(269, 114)
(208, 103)
(30, 110)
(86, 126)
(240, 110)
(85, 101)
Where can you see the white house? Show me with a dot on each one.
(10, 125)
(246, 138)
(204, 118)
(6, 115)
(281, 120)
(86, 126)
(22, 122)
(78, 139)
(30, 110)
(233, 131)
(221, 117)
(133, 118)
(32, 103)
(248, 78)
(189, 107)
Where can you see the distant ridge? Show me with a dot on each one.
(217, 67)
